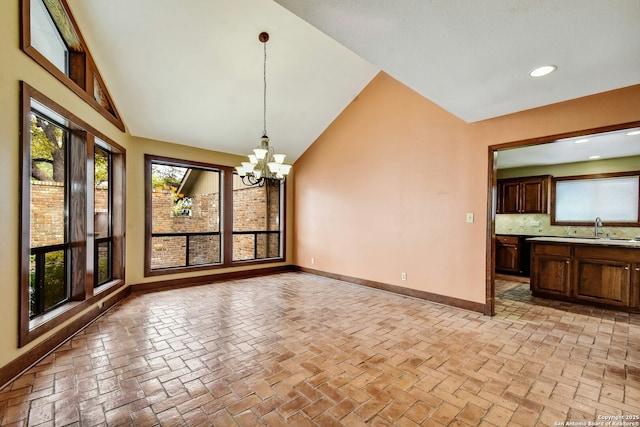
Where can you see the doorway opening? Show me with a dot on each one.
(548, 156)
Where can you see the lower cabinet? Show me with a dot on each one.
(512, 255)
(508, 254)
(587, 273)
(551, 269)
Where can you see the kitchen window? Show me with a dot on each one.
(613, 197)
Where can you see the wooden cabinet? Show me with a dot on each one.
(512, 255)
(524, 195)
(604, 275)
(508, 254)
(551, 269)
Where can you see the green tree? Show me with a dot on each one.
(101, 167)
(162, 175)
(47, 150)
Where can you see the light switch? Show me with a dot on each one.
(470, 217)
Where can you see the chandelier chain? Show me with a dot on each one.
(264, 97)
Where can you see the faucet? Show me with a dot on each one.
(596, 229)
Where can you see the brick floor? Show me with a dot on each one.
(297, 349)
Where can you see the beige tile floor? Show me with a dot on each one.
(297, 349)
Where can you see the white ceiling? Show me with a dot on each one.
(607, 145)
(190, 72)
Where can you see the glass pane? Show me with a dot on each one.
(204, 249)
(168, 251)
(102, 171)
(34, 307)
(611, 199)
(48, 182)
(103, 260)
(55, 290)
(185, 216)
(256, 220)
(45, 36)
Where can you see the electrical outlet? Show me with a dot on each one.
(403, 276)
(469, 217)
(313, 260)
(100, 304)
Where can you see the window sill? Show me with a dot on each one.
(50, 315)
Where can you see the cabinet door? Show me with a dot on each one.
(509, 198)
(602, 281)
(634, 293)
(551, 275)
(507, 258)
(533, 196)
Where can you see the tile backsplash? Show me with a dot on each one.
(540, 225)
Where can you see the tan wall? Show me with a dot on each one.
(386, 188)
(16, 66)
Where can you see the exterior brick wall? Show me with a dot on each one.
(47, 211)
(250, 213)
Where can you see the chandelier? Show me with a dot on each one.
(263, 166)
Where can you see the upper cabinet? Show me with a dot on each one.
(524, 195)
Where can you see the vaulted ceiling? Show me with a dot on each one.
(191, 71)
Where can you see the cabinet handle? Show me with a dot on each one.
(567, 262)
(626, 268)
(637, 268)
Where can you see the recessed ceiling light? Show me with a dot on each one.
(580, 141)
(635, 132)
(542, 71)
(593, 157)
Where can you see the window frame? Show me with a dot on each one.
(81, 65)
(555, 180)
(83, 294)
(226, 219)
(108, 239)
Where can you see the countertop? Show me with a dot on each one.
(600, 241)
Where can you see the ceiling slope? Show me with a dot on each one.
(191, 72)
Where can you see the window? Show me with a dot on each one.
(64, 258)
(52, 39)
(201, 216)
(185, 218)
(49, 231)
(256, 221)
(45, 37)
(103, 247)
(613, 197)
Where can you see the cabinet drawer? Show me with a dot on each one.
(508, 240)
(549, 249)
(599, 252)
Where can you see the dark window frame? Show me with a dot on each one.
(82, 292)
(555, 180)
(83, 72)
(226, 219)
